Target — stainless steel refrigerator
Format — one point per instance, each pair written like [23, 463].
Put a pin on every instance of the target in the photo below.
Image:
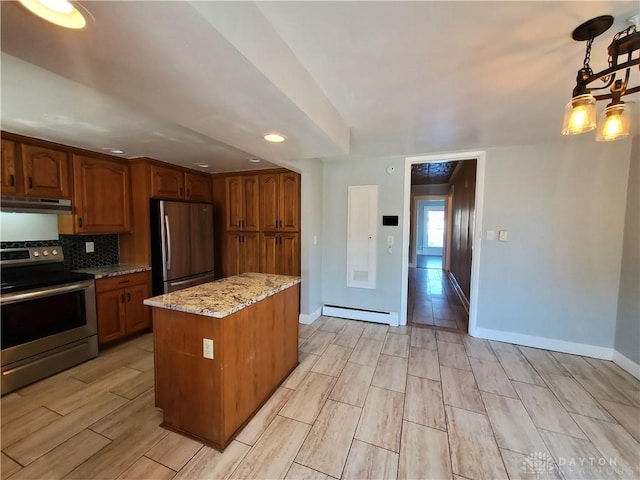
[181, 245]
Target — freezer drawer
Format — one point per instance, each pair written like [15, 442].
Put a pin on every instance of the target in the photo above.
[173, 285]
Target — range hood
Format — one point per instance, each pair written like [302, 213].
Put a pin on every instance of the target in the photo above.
[35, 205]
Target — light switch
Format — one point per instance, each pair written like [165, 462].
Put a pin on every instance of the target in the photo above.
[491, 235]
[503, 235]
[89, 247]
[207, 348]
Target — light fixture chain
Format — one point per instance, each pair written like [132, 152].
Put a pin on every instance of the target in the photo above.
[587, 55]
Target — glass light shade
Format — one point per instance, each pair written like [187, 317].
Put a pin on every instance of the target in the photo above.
[614, 123]
[579, 115]
[60, 12]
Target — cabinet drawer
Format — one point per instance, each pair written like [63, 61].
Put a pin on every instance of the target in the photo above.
[122, 281]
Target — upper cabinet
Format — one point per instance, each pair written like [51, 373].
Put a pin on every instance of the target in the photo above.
[174, 184]
[243, 203]
[101, 197]
[34, 171]
[280, 202]
[8, 179]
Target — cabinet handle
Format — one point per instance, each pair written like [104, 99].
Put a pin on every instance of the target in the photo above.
[124, 281]
[244, 224]
[12, 180]
[239, 223]
[188, 193]
[128, 297]
[122, 298]
[181, 190]
[80, 222]
[30, 182]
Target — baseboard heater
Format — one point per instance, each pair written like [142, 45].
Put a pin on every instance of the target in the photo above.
[352, 313]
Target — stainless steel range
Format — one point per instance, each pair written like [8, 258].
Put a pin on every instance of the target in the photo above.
[48, 315]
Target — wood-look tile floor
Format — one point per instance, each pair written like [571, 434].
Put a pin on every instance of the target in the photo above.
[366, 401]
[432, 300]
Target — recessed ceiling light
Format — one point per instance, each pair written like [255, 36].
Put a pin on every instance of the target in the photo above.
[114, 151]
[254, 160]
[60, 12]
[202, 165]
[274, 137]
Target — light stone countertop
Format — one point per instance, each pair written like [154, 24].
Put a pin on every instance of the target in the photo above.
[114, 270]
[226, 296]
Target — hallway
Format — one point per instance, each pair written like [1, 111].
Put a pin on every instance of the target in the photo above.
[433, 301]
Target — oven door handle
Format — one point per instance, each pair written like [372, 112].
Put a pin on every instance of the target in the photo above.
[19, 297]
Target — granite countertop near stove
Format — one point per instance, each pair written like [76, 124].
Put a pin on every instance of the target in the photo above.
[226, 296]
[114, 270]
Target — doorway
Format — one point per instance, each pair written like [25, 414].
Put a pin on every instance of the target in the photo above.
[430, 233]
[444, 293]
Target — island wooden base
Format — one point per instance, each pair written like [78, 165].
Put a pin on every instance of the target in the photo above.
[255, 349]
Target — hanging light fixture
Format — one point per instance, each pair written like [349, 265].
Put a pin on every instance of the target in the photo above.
[580, 112]
[60, 12]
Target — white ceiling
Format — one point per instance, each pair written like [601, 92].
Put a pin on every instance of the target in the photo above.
[202, 82]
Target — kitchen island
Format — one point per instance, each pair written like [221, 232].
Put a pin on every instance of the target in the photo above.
[210, 390]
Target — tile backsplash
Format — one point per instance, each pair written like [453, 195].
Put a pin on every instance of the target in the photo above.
[105, 250]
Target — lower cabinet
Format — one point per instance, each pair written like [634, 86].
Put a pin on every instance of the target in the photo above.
[119, 305]
[243, 253]
[280, 253]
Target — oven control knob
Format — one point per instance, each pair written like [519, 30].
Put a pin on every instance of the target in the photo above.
[54, 252]
[36, 254]
[45, 253]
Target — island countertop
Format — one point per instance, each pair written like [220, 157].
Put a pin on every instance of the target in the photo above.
[226, 296]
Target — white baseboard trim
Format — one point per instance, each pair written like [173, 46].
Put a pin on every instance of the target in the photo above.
[626, 364]
[583, 349]
[388, 318]
[309, 318]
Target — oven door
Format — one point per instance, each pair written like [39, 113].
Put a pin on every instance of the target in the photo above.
[37, 321]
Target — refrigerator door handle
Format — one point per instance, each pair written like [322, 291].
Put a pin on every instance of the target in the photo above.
[168, 237]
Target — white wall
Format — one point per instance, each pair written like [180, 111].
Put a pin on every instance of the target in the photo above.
[338, 176]
[627, 341]
[28, 226]
[311, 253]
[558, 275]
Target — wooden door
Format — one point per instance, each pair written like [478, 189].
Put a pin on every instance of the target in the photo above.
[269, 248]
[232, 255]
[8, 180]
[111, 313]
[269, 197]
[250, 252]
[167, 183]
[101, 195]
[289, 254]
[45, 172]
[251, 202]
[289, 202]
[137, 314]
[235, 203]
[198, 187]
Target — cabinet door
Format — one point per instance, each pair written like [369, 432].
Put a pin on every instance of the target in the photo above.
[45, 172]
[250, 252]
[251, 202]
[289, 202]
[8, 180]
[232, 254]
[235, 203]
[289, 254]
[137, 314]
[167, 183]
[269, 253]
[111, 315]
[198, 187]
[269, 195]
[101, 195]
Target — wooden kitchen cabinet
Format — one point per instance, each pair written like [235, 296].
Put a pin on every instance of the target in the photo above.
[174, 184]
[280, 202]
[120, 309]
[280, 253]
[242, 253]
[243, 203]
[101, 197]
[35, 171]
[8, 179]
